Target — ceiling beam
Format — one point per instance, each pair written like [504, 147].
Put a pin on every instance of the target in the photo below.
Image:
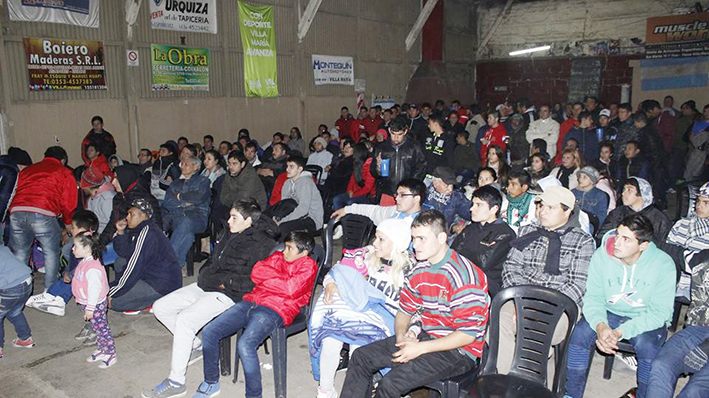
[492, 30]
[426, 11]
[307, 18]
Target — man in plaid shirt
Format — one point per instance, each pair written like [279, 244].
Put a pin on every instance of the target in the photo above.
[555, 254]
[449, 295]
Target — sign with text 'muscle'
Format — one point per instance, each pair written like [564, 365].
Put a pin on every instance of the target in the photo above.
[184, 15]
[329, 69]
[56, 64]
[676, 36]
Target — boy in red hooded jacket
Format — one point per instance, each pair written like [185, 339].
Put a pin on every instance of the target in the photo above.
[284, 281]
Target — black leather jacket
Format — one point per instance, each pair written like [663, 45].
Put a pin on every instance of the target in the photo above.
[406, 160]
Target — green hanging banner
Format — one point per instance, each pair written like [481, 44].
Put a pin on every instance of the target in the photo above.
[258, 39]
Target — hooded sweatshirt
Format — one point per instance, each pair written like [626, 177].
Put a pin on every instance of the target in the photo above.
[306, 194]
[644, 291]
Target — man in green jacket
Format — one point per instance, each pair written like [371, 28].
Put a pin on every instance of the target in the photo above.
[629, 296]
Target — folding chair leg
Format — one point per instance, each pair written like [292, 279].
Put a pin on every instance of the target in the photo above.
[225, 356]
[265, 347]
[675, 316]
[189, 261]
[608, 366]
[280, 361]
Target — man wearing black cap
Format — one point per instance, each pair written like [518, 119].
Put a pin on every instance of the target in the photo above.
[444, 198]
[152, 270]
[165, 170]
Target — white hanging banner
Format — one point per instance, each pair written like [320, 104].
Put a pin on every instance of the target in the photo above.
[73, 12]
[188, 16]
[328, 69]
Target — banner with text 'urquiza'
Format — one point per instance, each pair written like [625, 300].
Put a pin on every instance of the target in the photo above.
[258, 39]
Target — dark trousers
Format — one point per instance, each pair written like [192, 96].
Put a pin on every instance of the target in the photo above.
[139, 297]
[368, 360]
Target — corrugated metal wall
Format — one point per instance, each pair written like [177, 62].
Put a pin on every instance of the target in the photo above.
[371, 31]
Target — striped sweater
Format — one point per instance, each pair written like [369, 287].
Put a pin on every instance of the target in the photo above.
[449, 296]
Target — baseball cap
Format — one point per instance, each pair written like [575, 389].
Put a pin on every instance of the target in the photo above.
[555, 195]
[446, 174]
[606, 113]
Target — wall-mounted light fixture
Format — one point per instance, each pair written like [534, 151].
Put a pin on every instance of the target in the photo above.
[530, 50]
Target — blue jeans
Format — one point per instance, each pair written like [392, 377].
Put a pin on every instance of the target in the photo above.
[183, 227]
[61, 289]
[647, 345]
[669, 365]
[258, 323]
[24, 228]
[343, 199]
[12, 302]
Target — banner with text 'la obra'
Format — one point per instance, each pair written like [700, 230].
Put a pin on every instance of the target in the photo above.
[258, 39]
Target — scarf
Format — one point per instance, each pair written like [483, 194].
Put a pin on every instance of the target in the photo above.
[551, 262]
[521, 204]
[563, 175]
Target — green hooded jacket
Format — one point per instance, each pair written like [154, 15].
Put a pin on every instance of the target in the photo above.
[644, 291]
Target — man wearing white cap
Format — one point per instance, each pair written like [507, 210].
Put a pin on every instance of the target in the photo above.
[320, 157]
[536, 259]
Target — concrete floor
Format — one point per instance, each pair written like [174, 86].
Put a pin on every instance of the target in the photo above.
[56, 366]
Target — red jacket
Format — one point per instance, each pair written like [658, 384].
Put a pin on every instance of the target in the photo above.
[563, 129]
[101, 163]
[281, 286]
[371, 125]
[368, 187]
[277, 188]
[497, 136]
[46, 188]
[344, 127]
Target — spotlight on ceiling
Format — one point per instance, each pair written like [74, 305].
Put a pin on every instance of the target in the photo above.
[530, 50]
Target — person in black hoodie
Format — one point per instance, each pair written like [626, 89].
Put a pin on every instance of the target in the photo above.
[165, 170]
[438, 145]
[637, 198]
[10, 167]
[486, 241]
[222, 282]
[129, 186]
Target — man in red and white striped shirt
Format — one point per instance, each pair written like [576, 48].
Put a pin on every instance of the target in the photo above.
[447, 295]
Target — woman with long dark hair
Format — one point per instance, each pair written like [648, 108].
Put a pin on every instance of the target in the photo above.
[361, 184]
[296, 140]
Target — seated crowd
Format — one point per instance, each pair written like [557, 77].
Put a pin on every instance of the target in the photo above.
[464, 204]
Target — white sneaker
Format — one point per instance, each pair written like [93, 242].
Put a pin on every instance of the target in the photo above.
[327, 393]
[630, 360]
[337, 233]
[54, 307]
[37, 298]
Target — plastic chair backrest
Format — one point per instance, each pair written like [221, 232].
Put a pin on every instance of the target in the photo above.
[539, 310]
[356, 231]
[315, 170]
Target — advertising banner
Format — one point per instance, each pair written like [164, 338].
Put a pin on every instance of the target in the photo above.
[258, 39]
[188, 16]
[55, 64]
[676, 36]
[72, 12]
[179, 68]
[333, 70]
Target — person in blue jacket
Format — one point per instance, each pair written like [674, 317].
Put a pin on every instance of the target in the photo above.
[152, 270]
[186, 207]
[443, 197]
[585, 135]
[589, 198]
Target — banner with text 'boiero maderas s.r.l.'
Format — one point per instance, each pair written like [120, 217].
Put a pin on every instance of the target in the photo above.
[57, 64]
